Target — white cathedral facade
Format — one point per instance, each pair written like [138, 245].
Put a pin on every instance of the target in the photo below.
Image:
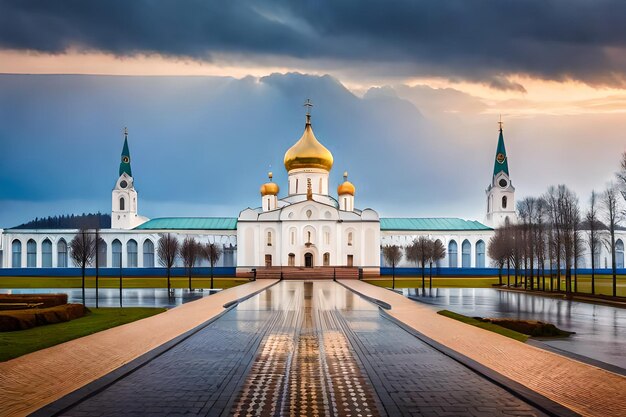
[308, 225]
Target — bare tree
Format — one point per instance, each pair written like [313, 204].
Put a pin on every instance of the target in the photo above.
[83, 251]
[212, 252]
[540, 238]
[499, 249]
[611, 216]
[437, 253]
[167, 250]
[564, 220]
[593, 240]
[189, 252]
[419, 252]
[392, 255]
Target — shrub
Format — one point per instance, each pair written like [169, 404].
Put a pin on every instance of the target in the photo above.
[26, 319]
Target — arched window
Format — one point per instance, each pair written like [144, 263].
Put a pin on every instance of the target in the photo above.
[297, 186]
[327, 259]
[619, 253]
[438, 262]
[466, 258]
[504, 201]
[62, 254]
[308, 236]
[291, 260]
[122, 204]
[269, 238]
[597, 257]
[327, 237]
[116, 251]
[31, 254]
[480, 254]
[46, 254]
[452, 254]
[148, 254]
[16, 254]
[102, 253]
[293, 237]
[131, 252]
[349, 238]
[320, 186]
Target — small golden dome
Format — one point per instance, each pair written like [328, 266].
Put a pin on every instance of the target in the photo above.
[346, 187]
[308, 152]
[269, 188]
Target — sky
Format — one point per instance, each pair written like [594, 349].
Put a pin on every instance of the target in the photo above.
[407, 96]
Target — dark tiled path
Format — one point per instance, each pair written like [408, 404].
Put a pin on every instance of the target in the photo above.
[311, 349]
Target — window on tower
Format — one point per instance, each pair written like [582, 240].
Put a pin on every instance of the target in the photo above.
[122, 204]
[504, 201]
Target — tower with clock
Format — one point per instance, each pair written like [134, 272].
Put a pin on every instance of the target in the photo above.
[124, 196]
[500, 193]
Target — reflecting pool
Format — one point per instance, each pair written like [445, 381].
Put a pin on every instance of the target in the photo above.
[600, 330]
[131, 297]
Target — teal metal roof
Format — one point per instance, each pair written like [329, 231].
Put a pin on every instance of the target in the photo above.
[430, 224]
[190, 223]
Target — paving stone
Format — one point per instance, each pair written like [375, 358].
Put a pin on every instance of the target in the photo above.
[303, 354]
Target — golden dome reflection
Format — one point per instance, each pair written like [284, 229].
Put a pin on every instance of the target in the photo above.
[308, 152]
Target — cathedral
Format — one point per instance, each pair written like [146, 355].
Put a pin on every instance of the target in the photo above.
[303, 225]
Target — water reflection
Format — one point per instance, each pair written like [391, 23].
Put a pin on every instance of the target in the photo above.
[291, 296]
[131, 297]
[600, 330]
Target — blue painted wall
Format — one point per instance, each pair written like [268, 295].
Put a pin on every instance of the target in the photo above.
[115, 272]
[479, 272]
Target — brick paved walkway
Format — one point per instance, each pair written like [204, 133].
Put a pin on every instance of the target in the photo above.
[31, 381]
[583, 388]
[313, 349]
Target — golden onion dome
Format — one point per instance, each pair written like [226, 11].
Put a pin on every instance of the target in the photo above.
[269, 188]
[308, 152]
[346, 187]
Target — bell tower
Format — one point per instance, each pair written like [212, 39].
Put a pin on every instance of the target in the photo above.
[500, 193]
[124, 196]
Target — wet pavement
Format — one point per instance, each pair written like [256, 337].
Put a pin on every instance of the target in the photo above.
[600, 330]
[303, 348]
[131, 297]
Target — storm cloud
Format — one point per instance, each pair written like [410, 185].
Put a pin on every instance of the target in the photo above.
[484, 41]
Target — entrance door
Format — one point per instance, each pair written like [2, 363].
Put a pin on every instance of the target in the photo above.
[350, 261]
[308, 260]
[268, 261]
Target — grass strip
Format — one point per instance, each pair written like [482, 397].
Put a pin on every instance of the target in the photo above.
[21, 342]
[483, 325]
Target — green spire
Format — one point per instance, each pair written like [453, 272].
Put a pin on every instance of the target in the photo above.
[125, 162]
[501, 163]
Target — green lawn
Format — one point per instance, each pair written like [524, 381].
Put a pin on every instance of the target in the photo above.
[415, 282]
[138, 282]
[603, 284]
[14, 344]
[487, 326]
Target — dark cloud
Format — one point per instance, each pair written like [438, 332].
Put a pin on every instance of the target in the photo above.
[483, 40]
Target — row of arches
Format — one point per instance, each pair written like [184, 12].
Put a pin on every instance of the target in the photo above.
[62, 258]
[466, 254]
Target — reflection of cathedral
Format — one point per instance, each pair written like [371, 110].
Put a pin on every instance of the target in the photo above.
[309, 226]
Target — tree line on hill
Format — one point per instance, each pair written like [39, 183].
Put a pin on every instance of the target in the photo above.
[69, 221]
